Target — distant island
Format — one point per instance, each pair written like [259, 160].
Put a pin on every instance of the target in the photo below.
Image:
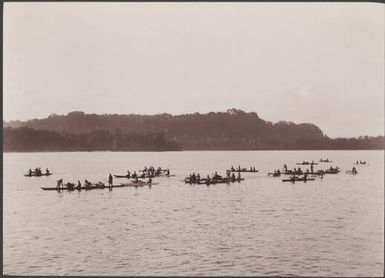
[230, 130]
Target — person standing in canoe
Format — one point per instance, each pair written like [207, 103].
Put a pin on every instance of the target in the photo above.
[59, 184]
[110, 179]
[47, 171]
[311, 168]
[30, 172]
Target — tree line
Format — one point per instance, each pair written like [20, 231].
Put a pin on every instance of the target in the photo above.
[25, 139]
[230, 130]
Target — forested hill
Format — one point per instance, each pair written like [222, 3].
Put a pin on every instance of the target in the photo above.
[231, 130]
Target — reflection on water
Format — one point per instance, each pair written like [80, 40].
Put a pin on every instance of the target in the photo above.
[329, 227]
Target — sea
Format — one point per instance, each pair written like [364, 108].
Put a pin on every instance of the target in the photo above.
[261, 226]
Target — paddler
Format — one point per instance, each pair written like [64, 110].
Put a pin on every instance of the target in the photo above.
[79, 185]
[87, 184]
[30, 172]
[354, 170]
[59, 183]
[47, 171]
[110, 180]
[128, 174]
[239, 176]
[311, 168]
[198, 178]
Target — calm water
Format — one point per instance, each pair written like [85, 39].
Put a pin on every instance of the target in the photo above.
[262, 226]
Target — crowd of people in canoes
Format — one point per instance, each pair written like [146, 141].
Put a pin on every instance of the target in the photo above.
[361, 162]
[88, 185]
[196, 178]
[325, 160]
[239, 169]
[299, 172]
[38, 172]
[149, 172]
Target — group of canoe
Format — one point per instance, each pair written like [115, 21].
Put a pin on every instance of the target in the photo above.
[147, 173]
[296, 173]
[196, 179]
[215, 178]
[92, 186]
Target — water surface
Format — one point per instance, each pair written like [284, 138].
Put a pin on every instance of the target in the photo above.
[262, 226]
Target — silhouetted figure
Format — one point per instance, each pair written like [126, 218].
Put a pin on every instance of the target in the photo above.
[149, 180]
[59, 183]
[110, 180]
[311, 168]
[79, 185]
[30, 172]
[87, 184]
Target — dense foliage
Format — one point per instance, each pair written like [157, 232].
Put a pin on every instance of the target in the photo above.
[231, 130]
[26, 139]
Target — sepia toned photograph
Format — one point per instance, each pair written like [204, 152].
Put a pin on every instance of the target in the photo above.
[193, 139]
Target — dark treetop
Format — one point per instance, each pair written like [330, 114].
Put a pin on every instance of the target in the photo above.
[231, 130]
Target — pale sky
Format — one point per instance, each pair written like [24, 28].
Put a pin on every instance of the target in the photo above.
[321, 63]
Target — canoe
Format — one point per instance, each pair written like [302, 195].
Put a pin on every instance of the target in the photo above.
[325, 161]
[332, 171]
[297, 179]
[274, 174]
[122, 176]
[141, 177]
[307, 163]
[106, 187]
[244, 171]
[211, 181]
[34, 175]
[351, 172]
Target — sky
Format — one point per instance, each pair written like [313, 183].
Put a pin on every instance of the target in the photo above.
[320, 63]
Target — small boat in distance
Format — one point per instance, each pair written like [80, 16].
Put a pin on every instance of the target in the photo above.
[37, 175]
[307, 163]
[325, 160]
[243, 170]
